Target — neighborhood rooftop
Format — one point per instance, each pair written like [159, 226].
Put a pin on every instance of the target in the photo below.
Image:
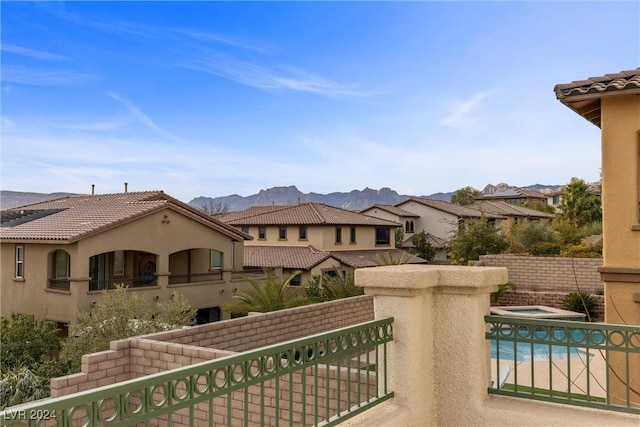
[584, 96]
[308, 214]
[74, 217]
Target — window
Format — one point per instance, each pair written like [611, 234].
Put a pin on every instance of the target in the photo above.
[262, 233]
[383, 236]
[282, 234]
[302, 233]
[295, 281]
[245, 230]
[19, 261]
[338, 235]
[352, 235]
[61, 264]
[118, 263]
[215, 259]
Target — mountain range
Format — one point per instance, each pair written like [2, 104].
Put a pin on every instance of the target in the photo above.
[286, 195]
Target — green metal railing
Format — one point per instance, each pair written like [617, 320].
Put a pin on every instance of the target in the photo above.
[321, 380]
[585, 364]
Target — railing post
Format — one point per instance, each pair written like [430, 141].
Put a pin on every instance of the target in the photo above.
[438, 361]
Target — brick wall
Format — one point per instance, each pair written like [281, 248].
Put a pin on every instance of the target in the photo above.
[131, 358]
[556, 274]
[251, 332]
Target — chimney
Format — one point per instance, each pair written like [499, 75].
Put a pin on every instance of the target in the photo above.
[126, 184]
[93, 189]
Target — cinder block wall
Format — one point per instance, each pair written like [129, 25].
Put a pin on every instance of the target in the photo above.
[251, 332]
[135, 357]
[555, 274]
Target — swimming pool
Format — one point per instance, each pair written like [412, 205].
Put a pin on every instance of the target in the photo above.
[538, 312]
[549, 347]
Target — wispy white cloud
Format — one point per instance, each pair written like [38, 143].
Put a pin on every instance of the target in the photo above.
[43, 77]
[270, 78]
[32, 53]
[142, 118]
[465, 111]
[6, 123]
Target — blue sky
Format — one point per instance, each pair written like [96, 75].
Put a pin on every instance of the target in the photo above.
[217, 98]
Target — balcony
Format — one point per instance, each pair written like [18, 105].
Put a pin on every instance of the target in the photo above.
[426, 360]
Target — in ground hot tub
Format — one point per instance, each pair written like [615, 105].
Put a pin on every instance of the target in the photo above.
[537, 312]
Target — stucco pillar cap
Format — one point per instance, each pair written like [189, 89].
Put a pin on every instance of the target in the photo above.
[413, 279]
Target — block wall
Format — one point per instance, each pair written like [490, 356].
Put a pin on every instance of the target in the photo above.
[554, 274]
[251, 332]
[136, 357]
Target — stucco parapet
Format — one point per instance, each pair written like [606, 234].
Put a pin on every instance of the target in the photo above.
[411, 280]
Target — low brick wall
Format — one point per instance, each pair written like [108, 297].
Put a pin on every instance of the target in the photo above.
[555, 274]
[149, 354]
[550, 299]
[251, 332]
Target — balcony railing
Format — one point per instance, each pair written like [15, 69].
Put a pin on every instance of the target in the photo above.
[195, 277]
[322, 380]
[577, 363]
[60, 284]
[130, 282]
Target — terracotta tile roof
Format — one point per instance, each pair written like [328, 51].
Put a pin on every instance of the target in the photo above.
[252, 211]
[291, 257]
[374, 257]
[583, 96]
[499, 207]
[310, 214]
[457, 210]
[79, 216]
[511, 193]
[435, 242]
[392, 210]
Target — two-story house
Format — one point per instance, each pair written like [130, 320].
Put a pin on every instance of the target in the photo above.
[58, 256]
[516, 196]
[612, 103]
[409, 221]
[314, 238]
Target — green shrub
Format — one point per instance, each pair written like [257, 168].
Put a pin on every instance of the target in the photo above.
[545, 249]
[581, 302]
[582, 251]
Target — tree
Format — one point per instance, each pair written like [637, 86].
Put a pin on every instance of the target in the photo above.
[474, 238]
[579, 206]
[27, 341]
[269, 294]
[331, 287]
[120, 314]
[422, 246]
[465, 196]
[214, 208]
[399, 237]
[22, 385]
[526, 235]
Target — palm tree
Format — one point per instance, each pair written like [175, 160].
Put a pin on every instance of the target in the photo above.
[268, 294]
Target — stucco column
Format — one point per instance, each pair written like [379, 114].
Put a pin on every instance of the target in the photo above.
[438, 359]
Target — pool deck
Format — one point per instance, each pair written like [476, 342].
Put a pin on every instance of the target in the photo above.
[576, 366]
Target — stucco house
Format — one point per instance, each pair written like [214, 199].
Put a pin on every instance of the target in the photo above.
[440, 218]
[409, 221]
[516, 196]
[315, 238]
[57, 256]
[612, 103]
[514, 214]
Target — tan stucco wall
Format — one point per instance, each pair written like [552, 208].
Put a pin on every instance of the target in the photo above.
[154, 233]
[621, 180]
[431, 220]
[320, 237]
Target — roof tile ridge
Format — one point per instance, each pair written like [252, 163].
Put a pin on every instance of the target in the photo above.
[323, 220]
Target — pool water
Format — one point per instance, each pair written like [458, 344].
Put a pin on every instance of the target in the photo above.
[524, 351]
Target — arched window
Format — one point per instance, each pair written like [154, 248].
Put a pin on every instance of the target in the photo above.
[61, 263]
